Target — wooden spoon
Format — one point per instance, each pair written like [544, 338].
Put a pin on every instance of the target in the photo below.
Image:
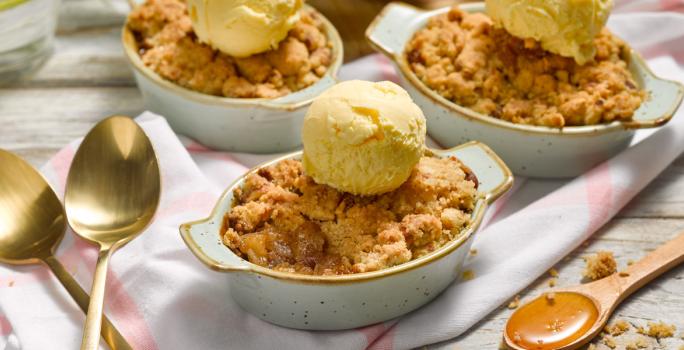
[112, 193]
[32, 223]
[568, 318]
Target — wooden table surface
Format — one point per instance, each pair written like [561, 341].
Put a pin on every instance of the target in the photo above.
[88, 79]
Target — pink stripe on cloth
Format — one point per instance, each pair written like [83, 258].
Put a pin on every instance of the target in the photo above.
[379, 336]
[386, 68]
[599, 186]
[5, 325]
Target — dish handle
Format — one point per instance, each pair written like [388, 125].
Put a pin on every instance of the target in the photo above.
[493, 176]
[390, 28]
[664, 98]
[203, 240]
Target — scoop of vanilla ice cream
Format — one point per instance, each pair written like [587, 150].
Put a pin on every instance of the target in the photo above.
[565, 27]
[363, 137]
[241, 28]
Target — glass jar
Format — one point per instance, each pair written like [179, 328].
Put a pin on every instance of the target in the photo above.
[27, 30]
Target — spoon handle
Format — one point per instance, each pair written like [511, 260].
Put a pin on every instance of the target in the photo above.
[93, 323]
[652, 265]
[110, 334]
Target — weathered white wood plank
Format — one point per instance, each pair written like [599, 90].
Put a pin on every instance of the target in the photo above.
[629, 239]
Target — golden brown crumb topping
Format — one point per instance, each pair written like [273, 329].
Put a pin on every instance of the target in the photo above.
[283, 220]
[168, 45]
[464, 58]
[600, 265]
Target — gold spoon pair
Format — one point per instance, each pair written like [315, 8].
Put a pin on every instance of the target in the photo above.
[113, 190]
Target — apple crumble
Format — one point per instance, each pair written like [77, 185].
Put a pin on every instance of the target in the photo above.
[168, 45]
[467, 60]
[283, 220]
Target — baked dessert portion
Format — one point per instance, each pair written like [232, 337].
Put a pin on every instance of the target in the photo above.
[168, 45]
[467, 60]
[284, 220]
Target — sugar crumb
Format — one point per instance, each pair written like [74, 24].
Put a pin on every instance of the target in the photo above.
[514, 303]
[600, 265]
[550, 297]
[617, 328]
[658, 330]
[11, 283]
[623, 274]
[468, 275]
[473, 252]
[553, 272]
[609, 341]
[638, 343]
[552, 282]
[630, 262]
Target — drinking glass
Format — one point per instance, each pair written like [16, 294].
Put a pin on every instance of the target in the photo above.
[27, 30]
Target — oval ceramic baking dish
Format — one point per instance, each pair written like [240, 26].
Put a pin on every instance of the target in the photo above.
[536, 151]
[353, 300]
[256, 125]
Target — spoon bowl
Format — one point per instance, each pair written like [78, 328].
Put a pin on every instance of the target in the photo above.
[32, 219]
[113, 191]
[568, 318]
[32, 224]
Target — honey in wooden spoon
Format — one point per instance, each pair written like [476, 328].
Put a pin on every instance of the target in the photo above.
[570, 317]
[552, 320]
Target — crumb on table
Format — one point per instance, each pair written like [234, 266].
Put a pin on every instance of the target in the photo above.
[552, 282]
[600, 265]
[617, 328]
[514, 303]
[658, 330]
[468, 275]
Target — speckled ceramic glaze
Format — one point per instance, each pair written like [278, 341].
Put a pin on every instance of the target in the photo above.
[255, 125]
[529, 150]
[346, 301]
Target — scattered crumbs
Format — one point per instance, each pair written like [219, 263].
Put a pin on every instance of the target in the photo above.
[550, 297]
[609, 341]
[658, 330]
[473, 252]
[514, 303]
[591, 347]
[553, 272]
[630, 262]
[11, 283]
[617, 328]
[600, 265]
[638, 343]
[552, 282]
[468, 275]
[623, 274]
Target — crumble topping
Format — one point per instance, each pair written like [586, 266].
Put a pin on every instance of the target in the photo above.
[464, 58]
[283, 220]
[168, 45]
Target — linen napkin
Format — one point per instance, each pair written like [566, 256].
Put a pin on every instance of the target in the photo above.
[161, 297]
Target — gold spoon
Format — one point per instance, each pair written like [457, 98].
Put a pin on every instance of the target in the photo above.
[112, 192]
[32, 223]
[570, 317]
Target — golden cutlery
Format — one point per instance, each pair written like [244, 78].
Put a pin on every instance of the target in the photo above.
[32, 224]
[112, 193]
